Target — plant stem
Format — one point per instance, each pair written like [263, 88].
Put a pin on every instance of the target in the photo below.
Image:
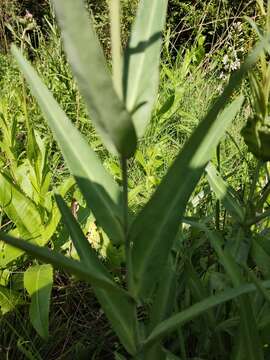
[125, 217]
[115, 19]
[254, 181]
[218, 202]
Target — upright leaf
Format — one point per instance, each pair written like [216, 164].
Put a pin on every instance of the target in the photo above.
[224, 193]
[155, 228]
[102, 194]
[38, 283]
[111, 297]
[141, 64]
[94, 80]
[119, 309]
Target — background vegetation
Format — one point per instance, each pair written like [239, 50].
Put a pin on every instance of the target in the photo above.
[204, 42]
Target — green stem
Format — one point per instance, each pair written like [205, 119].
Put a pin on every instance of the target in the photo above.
[125, 218]
[115, 19]
[254, 181]
[218, 202]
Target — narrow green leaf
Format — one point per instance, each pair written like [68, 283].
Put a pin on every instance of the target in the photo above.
[119, 309]
[197, 309]
[141, 65]
[94, 80]
[102, 194]
[165, 297]
[117, 304]
[248, 328]
[155, 228]
[87, 254]
[224, 193]
[60, 262]
[38, 282]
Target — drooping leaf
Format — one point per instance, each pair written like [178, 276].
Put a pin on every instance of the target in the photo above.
[119, 309]
[153, 231]
[38, 282]
[224, 193]
[102, 194]
[94, 80]
[141, 64]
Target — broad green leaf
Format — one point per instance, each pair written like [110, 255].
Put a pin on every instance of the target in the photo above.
[102, 194]
[153, 231]
[141, 63]
[197, 309]
[38, 282]
[119, 309]
[9, 299]
[21, 210]
[224, 193]
[94, 80]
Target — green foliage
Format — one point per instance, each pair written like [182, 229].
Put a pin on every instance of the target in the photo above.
[152, 238]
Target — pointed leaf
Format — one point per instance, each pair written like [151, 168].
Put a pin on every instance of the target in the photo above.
[224, 193]
[142, 59]
[38, 282]
[155, 228]
[95, 83]
[61, 262]
[100, 191]
[119, 309]
[197, 309]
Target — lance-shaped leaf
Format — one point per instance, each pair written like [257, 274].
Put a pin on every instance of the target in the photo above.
[62, 262]
[119, 309]
[141, 63]
[224, 193]
[38, 282]
[116, 302]
[155, 228]
[102, 194]
[197, 309]
[94, 80]
[153, 231]
[248, 332]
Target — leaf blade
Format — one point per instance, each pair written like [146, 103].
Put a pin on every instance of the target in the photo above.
[38, 282]
[102, 194]
[141, 59]
[90, 69]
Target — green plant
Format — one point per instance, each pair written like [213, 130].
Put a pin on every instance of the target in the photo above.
[141, 306]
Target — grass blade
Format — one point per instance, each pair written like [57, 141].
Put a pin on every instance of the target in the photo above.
[197, 309]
